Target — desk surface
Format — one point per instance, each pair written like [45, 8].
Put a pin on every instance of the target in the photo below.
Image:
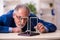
[54, 35]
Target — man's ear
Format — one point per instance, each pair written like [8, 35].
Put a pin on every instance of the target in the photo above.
[14, 15]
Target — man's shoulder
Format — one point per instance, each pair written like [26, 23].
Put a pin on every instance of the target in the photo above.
[8, 14]
[32, 15]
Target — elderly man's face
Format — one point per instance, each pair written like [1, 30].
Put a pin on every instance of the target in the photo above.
[20, 17]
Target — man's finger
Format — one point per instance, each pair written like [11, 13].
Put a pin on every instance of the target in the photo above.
[39, 25]
[42, 27]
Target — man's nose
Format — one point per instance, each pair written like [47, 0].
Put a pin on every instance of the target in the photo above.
[22, 21]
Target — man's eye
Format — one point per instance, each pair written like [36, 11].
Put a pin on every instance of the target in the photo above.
[25, 19]
[18, 17]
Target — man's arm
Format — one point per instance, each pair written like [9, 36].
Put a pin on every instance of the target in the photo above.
[3, 29]
[46, 26]
[7, 29]
[49, 27]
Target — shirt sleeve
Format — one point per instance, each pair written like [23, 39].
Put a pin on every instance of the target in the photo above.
[10, 29]
[46, 29]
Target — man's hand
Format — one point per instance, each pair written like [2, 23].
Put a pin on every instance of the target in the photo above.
[16, 30]
[41, 28]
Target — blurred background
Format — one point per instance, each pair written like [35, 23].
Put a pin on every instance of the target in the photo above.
[48, 10]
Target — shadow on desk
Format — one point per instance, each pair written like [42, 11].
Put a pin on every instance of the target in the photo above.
[42, 36]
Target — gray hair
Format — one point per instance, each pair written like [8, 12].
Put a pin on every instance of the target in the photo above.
[22, 6]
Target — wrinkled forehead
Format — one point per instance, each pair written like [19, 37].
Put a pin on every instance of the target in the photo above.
[22, 12]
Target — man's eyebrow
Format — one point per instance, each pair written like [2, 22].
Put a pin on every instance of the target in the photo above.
[24, 17]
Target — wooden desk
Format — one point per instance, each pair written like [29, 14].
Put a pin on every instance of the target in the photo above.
[42, 36]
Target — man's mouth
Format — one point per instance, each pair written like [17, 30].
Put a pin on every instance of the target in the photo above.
[22, 26]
